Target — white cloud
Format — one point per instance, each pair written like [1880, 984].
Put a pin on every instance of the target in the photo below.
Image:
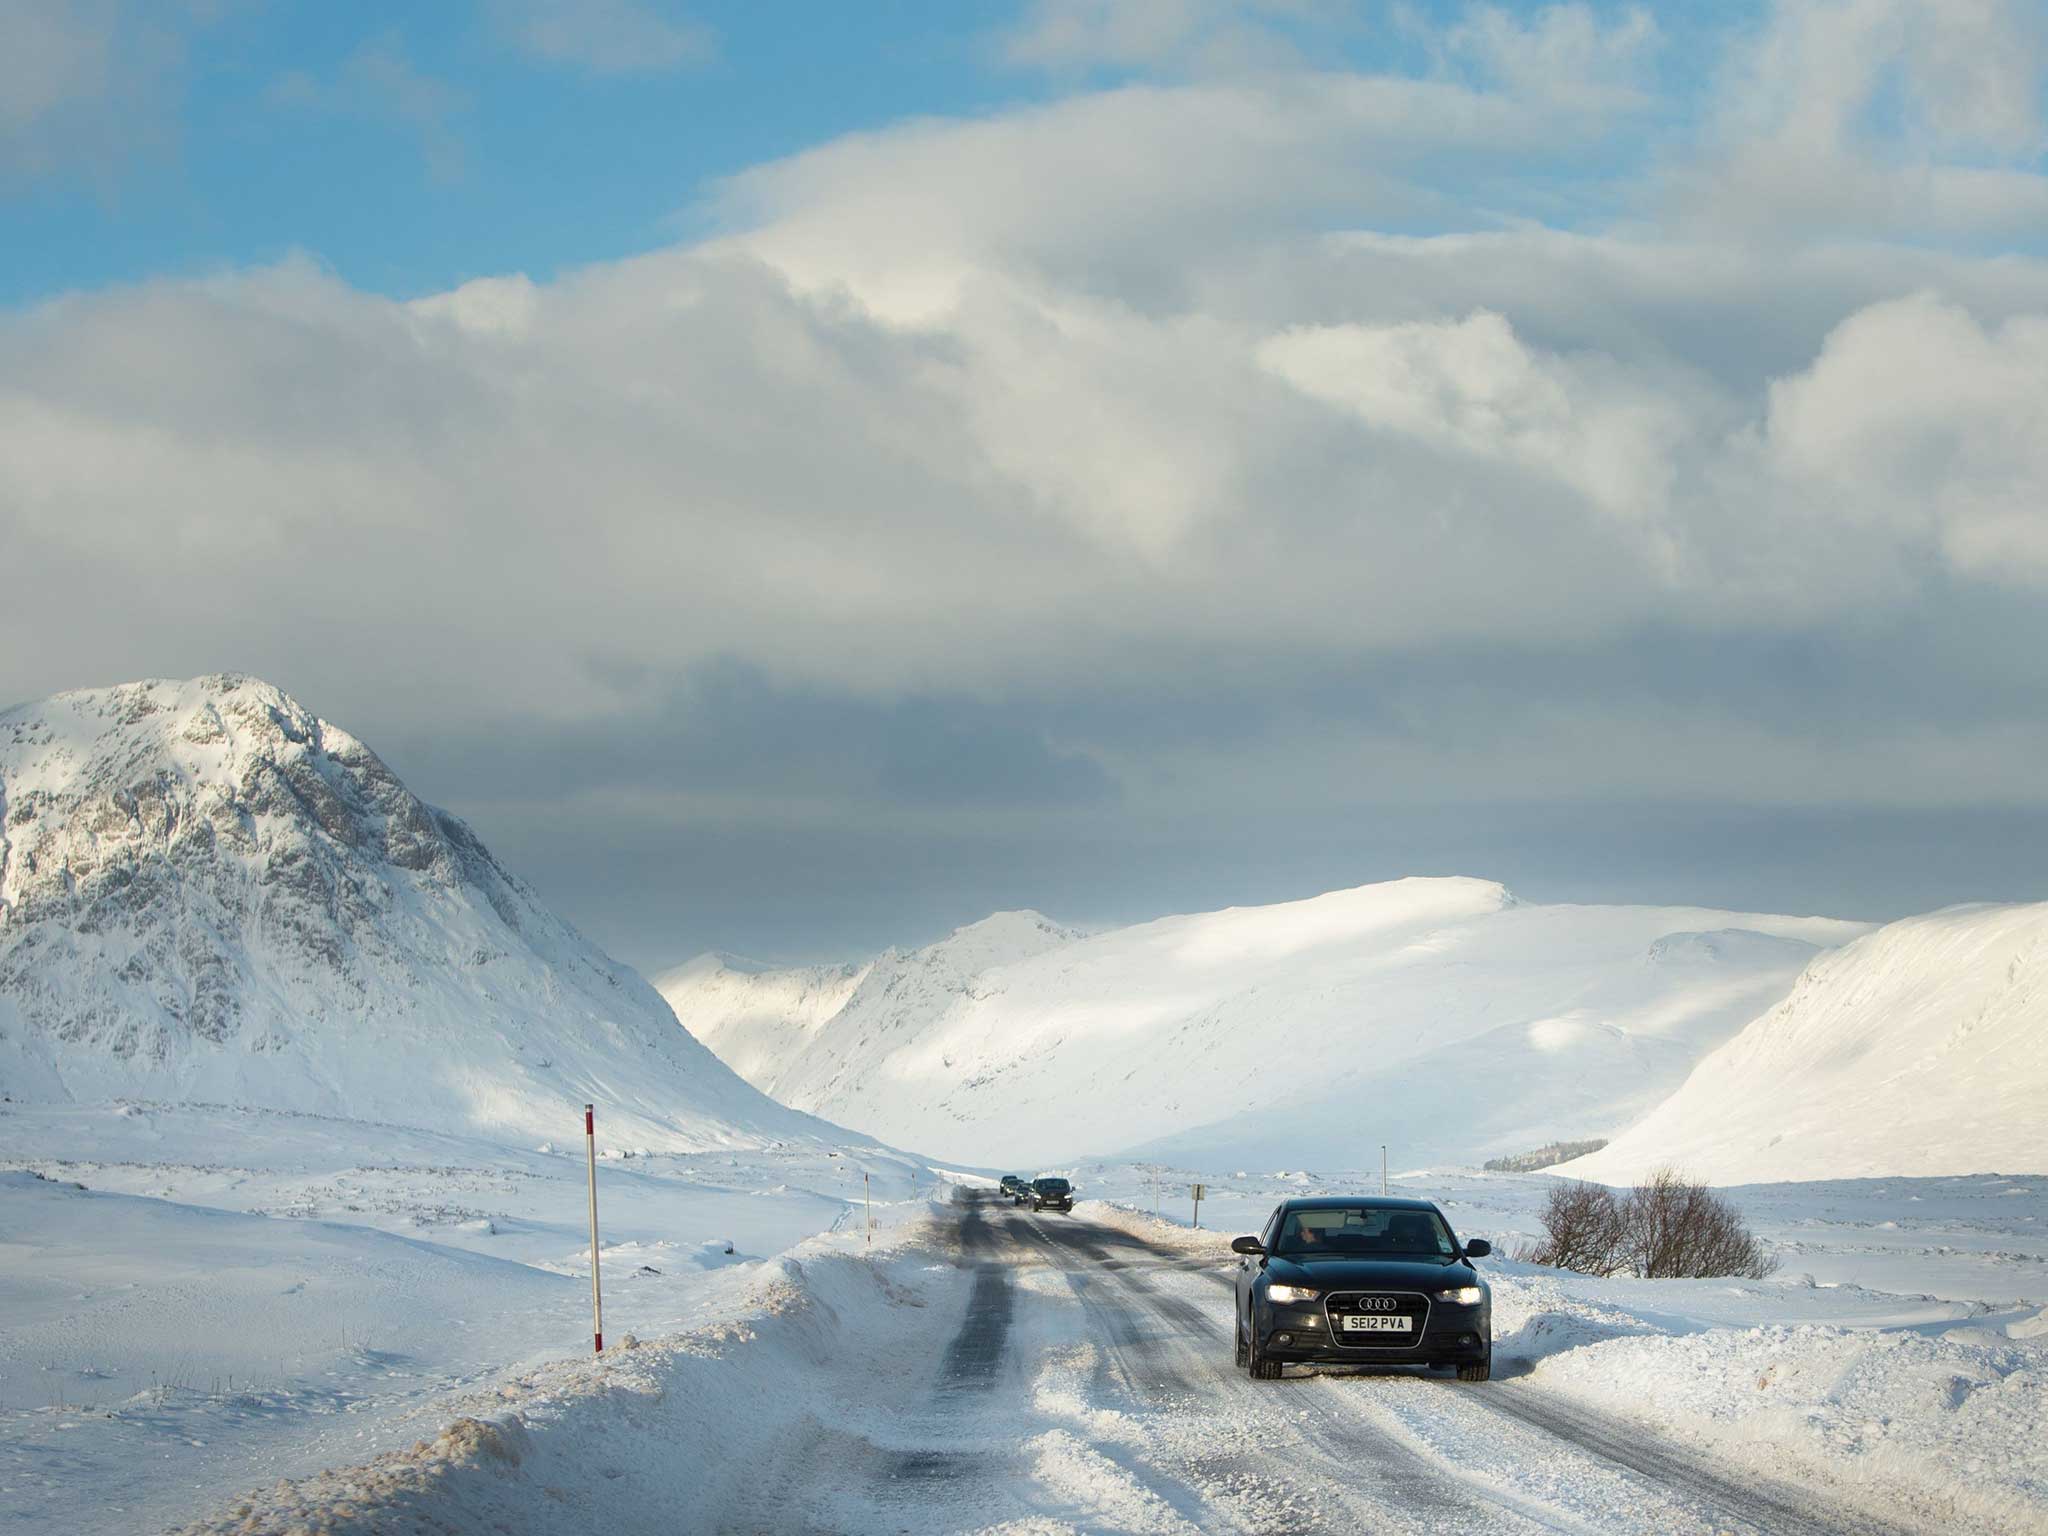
[1471, 386]
[604, 37]
[1080, 401]
[1888, 117]
[1918, 422]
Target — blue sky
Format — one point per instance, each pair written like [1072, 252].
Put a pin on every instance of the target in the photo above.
[509, 161]
[798, 478]
[412, 148]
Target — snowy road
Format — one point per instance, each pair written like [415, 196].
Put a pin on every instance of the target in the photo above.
[1124, 1348]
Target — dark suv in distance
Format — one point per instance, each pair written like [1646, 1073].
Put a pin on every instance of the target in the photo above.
[1051, 1195]
[1362, 1280]
[1014, 1186]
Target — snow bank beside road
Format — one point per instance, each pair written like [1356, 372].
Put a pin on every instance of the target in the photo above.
[240, 1295]
[650, 1437]
[1948, 1420]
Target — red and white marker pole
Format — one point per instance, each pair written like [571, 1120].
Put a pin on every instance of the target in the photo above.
[596, 1293]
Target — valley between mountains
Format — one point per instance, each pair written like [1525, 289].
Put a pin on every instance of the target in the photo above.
[293, 1190]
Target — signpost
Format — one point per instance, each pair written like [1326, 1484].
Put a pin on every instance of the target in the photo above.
[1198, 1190]
[596, 1292]
[867, 1195]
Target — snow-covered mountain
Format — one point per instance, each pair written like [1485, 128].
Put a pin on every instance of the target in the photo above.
[1440, 1016]
[1921, 1049]
[207, 894]
[762, 1021]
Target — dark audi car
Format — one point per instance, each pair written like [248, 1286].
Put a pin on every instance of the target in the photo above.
[1051, 1195]
[1358, 1280]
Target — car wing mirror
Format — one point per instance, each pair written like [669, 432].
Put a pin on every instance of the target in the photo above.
[1478, 1248]
[1246, 1245]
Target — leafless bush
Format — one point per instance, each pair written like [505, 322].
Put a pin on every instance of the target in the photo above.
[1581, 1230]
[1679, 1229]
[1668, 1227]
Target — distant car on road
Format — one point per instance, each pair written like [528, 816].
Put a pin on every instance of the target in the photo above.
[1051, 1195]
[1014, 1186]
[1354, 1280]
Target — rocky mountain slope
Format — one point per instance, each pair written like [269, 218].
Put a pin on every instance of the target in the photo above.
[1440, 1016]
[208, 894]
[1922, 1049]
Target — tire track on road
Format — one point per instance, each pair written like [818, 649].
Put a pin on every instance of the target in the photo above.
[1383, 1482]
[1752, 1503]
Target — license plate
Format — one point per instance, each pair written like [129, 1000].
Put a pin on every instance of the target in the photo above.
[1370, 1324]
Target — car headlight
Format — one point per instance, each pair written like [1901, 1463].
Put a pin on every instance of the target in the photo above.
[1462, 1296]
[1289, 1294]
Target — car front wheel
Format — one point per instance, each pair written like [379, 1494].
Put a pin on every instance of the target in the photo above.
[1262, 1369]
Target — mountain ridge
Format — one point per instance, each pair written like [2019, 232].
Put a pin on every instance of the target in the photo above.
[1920, 1049]
[1356, 1011]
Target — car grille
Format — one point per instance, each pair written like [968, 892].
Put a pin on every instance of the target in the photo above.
[1411, 1305]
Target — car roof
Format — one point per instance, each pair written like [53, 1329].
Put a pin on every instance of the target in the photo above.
[1370, 1202]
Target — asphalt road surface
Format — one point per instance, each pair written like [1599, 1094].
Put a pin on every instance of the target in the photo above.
[1080, 1378]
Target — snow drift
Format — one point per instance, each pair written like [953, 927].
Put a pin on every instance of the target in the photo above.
[1440, 1016]
[208, 894]
[1921, 1049]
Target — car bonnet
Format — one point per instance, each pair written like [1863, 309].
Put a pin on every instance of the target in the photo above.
[1337, 1272]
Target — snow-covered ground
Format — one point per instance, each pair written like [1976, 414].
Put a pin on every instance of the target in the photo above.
[981, 1369]
[1466, 1023]
[236, 1296]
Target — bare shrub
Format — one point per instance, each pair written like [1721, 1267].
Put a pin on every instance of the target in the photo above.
[1679, 1229]
[1582, 1230]
[1668, 1227]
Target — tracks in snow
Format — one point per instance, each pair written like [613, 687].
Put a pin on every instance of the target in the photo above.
[1087, 1384]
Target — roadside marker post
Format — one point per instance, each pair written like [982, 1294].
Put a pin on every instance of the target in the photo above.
[596, 1291]
[867, 1196]
[1198, 1190]
[1383, 1169]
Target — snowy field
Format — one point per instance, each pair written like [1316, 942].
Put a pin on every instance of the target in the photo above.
[386, 1329]
[236, 1296]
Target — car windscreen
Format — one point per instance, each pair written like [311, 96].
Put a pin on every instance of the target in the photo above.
[1364, 1232]
[1053, 1186]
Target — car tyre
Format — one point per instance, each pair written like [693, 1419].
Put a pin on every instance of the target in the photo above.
[1261, 1368]
[1480, 1371]
[1244, 1354]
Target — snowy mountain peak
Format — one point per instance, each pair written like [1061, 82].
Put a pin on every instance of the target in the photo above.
[1001, 938]
[97, 778]
[208, 892]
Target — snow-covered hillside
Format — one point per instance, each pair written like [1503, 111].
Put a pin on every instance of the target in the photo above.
[1440, 1016]
[1922, 1049]
[207, 894]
